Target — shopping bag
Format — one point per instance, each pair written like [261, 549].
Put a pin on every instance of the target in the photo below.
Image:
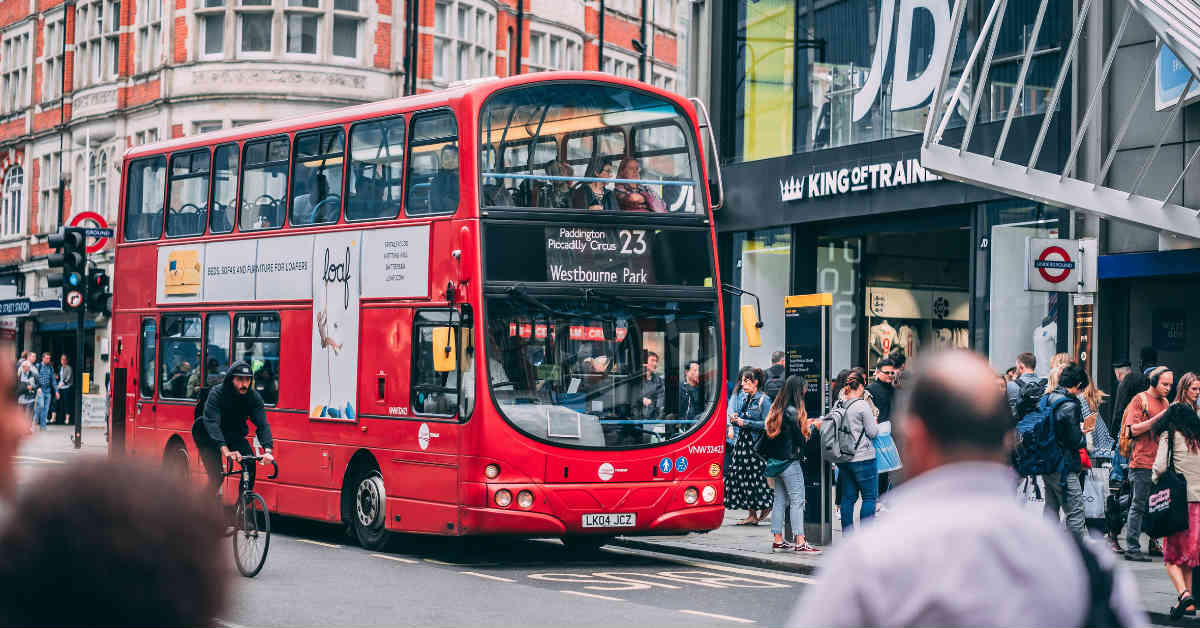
[887, 457]
[1167, 510]
[1095, 493]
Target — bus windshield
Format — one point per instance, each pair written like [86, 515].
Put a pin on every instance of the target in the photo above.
[587, 146]
[601, 372]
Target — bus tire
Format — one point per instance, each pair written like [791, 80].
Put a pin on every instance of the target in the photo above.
[368, 516]
[175, 460]
[581, 544]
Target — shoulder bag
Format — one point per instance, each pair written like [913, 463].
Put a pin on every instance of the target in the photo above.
[1167, 511]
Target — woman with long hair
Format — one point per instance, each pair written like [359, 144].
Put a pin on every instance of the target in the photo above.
[745, 485]
[787, 430]
[1180, 427]
[858, 476]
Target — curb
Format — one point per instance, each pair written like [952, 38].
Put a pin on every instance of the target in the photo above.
[716, 555]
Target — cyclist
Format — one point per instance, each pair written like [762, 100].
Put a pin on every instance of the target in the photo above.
[220, 432]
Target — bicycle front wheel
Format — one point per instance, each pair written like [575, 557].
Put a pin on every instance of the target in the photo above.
[252, 536]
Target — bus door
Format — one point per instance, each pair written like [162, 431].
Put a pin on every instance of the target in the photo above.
[142, 405]
[409, 375]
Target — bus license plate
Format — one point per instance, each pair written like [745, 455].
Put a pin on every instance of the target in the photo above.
[610, 520]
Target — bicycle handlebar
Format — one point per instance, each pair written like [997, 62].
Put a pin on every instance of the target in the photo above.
[230, 461]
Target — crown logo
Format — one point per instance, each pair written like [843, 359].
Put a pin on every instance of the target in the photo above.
[791, 189]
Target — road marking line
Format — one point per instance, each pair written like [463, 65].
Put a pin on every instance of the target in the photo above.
[36, 459]
[397, 559]
[227, 624]
[329, 545]
[740, 620]
[593, 595]
[483, 575]
[442, 562]
[719, 567]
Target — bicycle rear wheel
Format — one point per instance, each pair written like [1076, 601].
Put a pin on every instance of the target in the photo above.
[253, 534]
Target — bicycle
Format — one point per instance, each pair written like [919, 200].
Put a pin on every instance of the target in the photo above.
[251, 520]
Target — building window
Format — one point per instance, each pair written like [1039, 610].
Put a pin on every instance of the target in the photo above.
[148, 54]
[98, 182]
[464, 41]
[214, 34]
[207, 127]
[620, 65]
[307, 27]
[48, 198]
[14, 206]
[303, 22]
[52, 60]
[14, 67]
[97, 28]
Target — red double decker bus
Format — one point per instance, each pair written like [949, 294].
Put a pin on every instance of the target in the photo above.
[487, 310]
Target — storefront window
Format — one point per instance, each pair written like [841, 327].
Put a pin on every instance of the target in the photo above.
[815, 75]
[1019, 320]
[838, 267]
[762, 266]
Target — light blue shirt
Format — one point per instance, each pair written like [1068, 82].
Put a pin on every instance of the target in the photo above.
[957, 548]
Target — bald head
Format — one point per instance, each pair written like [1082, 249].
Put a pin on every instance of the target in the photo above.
[953, 396]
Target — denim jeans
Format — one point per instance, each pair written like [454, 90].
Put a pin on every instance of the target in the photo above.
[789, 493]
[856, 478]
[1139, 481]
[44, 397]
[1063, 490]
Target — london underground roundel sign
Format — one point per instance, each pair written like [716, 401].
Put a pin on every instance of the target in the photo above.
[96, 219]
[1054, 264]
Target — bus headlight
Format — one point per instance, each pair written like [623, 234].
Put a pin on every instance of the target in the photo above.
[524, 499]
[503, 498]
[691, 495]
[492, 471]
[709, 493]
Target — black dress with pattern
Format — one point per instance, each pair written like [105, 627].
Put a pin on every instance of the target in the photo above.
[745, 485]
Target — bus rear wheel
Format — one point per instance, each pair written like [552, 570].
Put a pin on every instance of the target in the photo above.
[369, 514]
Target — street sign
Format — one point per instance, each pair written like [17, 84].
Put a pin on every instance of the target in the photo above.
[1053, 265]
[14, 307]
[74, 298]
[102, 232]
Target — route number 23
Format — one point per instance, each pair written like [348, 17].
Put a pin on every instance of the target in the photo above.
[633, 242]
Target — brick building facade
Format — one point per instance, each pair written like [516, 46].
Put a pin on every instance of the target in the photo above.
[81, 81]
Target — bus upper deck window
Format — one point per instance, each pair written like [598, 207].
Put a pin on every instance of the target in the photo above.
[264, 184]
[224, 189]
[433, 164]
[187, 210]
[144, 199]
[376, 170]
[317, 178]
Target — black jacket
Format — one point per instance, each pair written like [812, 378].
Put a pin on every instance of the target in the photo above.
[882, 395]
[691, 401]
[226, 413]
[1066, 427]
[789, 443]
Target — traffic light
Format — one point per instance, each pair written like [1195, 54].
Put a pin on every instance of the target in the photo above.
[99, 299]
[70, 255]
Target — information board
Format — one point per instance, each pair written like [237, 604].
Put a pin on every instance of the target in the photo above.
[599, 255]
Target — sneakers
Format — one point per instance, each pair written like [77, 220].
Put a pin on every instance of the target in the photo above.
[808, 550]
[1137, 556]
[782, 546]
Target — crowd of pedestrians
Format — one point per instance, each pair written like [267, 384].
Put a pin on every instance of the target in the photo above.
[44, 393]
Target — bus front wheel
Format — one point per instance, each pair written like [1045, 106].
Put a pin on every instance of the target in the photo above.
[370, 510]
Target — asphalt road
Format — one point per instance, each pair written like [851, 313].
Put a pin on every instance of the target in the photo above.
[314, 576]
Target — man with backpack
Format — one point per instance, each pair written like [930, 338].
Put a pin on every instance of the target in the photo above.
[776, 374]
[1027, 384]
[1138, 441]
[1064, 489]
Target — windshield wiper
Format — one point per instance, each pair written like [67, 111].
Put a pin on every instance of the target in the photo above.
[595, 293]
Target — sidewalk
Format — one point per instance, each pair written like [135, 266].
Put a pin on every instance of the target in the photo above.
[42, 451]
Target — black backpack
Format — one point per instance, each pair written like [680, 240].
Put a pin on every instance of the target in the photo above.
[201, 399]
[1027, 401]
[773, 385]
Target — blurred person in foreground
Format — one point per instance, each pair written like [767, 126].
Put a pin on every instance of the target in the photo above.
[14, 427]
[112, 542]
[1009, 567]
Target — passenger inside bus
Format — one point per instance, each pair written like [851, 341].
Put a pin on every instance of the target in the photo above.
[267, 384]
[555, 194]
[636, 197]
[314, 204]
[177, 385]
[592, 194]
[443, 191]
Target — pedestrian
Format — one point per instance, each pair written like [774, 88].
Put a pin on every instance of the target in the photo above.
[787, 431]
[1010, 375]
[1178, 434]
[1064, 489]
[14, 427]
[882, 395]
[132, 546]
[745, 485]
[65, 399]
[857, 477]
[1101, 448]
[1140, 417]
[956, 548]
[46, 393]
[1135, 383]
[776, 373]
[27, 384]
[1025, 381]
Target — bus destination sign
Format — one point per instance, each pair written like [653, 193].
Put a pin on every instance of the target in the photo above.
[599, 255]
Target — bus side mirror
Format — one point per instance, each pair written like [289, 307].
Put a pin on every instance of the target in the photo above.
[751, 325]
[445, 356]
